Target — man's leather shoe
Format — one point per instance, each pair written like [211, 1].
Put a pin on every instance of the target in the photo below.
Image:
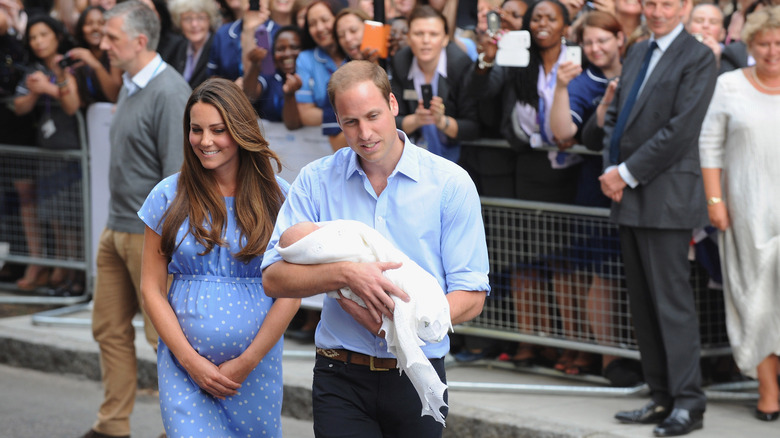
[680, 422]
[651, 413]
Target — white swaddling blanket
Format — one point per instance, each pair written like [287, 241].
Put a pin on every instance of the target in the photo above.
[425, 318]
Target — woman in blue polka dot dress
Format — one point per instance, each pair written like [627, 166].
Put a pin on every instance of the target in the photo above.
[219, 361]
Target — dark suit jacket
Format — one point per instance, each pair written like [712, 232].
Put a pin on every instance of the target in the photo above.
[452, 90]
[660, 143]
[179, 61]
[733, 56]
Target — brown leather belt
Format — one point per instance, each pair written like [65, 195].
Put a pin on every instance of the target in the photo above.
[346, 356]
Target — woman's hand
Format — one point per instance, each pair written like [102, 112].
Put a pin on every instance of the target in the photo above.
[257, 55]
[488, 44]
[609, 94]
[38, 83]
[566, 72]
[210, 378]
[292, 83]
[565, 143]
[237, 369]
[607, 6]
[369, 54]
[719, 216]
[437, 111]
[85, 56]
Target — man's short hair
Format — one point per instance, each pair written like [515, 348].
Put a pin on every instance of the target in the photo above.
[355, 72]
[139, 20]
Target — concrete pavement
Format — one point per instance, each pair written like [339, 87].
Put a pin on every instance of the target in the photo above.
[486, 399]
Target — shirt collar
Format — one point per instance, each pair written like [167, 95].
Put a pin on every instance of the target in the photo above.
[408, 164]
[441, 67]
[665, 41]
[191, 51]
[596, 75]
[234, 31]
[142, 78]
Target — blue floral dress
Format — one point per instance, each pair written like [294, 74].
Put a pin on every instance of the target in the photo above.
[220, 305]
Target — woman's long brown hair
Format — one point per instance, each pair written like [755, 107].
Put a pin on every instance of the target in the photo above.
[258, 197]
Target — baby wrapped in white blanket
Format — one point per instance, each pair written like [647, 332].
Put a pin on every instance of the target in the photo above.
[425, 318]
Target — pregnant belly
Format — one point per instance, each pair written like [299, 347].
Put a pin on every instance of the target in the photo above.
[219, 330]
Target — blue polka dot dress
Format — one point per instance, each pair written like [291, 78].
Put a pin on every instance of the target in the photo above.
[220, 304]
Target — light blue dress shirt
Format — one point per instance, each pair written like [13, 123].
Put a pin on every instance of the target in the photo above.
[430, 210]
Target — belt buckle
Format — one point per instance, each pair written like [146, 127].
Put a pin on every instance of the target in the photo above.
[372, 367]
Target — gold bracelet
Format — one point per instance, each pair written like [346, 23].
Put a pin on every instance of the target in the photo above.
[714, 200]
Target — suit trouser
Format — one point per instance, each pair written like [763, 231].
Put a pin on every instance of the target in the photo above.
[117, 300]
[664, 313]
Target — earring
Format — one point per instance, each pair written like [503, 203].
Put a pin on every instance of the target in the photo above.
[563, 40]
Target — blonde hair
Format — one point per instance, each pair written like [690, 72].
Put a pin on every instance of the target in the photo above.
[179, 7]
[764, 19]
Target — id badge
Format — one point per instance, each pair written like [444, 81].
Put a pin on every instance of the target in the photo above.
[536, 140]
[410, 95]
[48, 129]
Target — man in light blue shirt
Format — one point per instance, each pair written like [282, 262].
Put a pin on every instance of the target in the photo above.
[426, 206]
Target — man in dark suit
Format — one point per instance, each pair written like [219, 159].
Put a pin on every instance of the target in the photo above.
[654, 179]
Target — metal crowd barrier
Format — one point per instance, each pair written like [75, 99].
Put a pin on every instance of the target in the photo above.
[45, 203]
[557, 280]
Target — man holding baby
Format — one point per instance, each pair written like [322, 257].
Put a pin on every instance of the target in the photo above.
[428, 208]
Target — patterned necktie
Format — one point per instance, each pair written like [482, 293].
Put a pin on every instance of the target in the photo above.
[614, 144]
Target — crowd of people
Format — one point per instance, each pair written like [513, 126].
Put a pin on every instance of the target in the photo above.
[679, 96]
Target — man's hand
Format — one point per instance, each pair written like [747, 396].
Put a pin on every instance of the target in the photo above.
[369, 283]
[713, 45]
[361, 315]
[612, 185]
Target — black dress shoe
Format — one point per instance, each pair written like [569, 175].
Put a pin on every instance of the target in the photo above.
[767, 416]
[651, 413]
[680, 422]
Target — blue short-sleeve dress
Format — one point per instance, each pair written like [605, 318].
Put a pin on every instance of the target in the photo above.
[220, 305]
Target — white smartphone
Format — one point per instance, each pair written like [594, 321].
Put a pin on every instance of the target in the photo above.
[574, 54]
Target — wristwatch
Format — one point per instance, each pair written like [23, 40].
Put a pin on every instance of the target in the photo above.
[714, 200]
[481, 64]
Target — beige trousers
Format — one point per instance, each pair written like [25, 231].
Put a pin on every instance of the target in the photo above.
[117, 300]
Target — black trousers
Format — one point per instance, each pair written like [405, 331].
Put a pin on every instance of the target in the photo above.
[351, 401]
[664, 314]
